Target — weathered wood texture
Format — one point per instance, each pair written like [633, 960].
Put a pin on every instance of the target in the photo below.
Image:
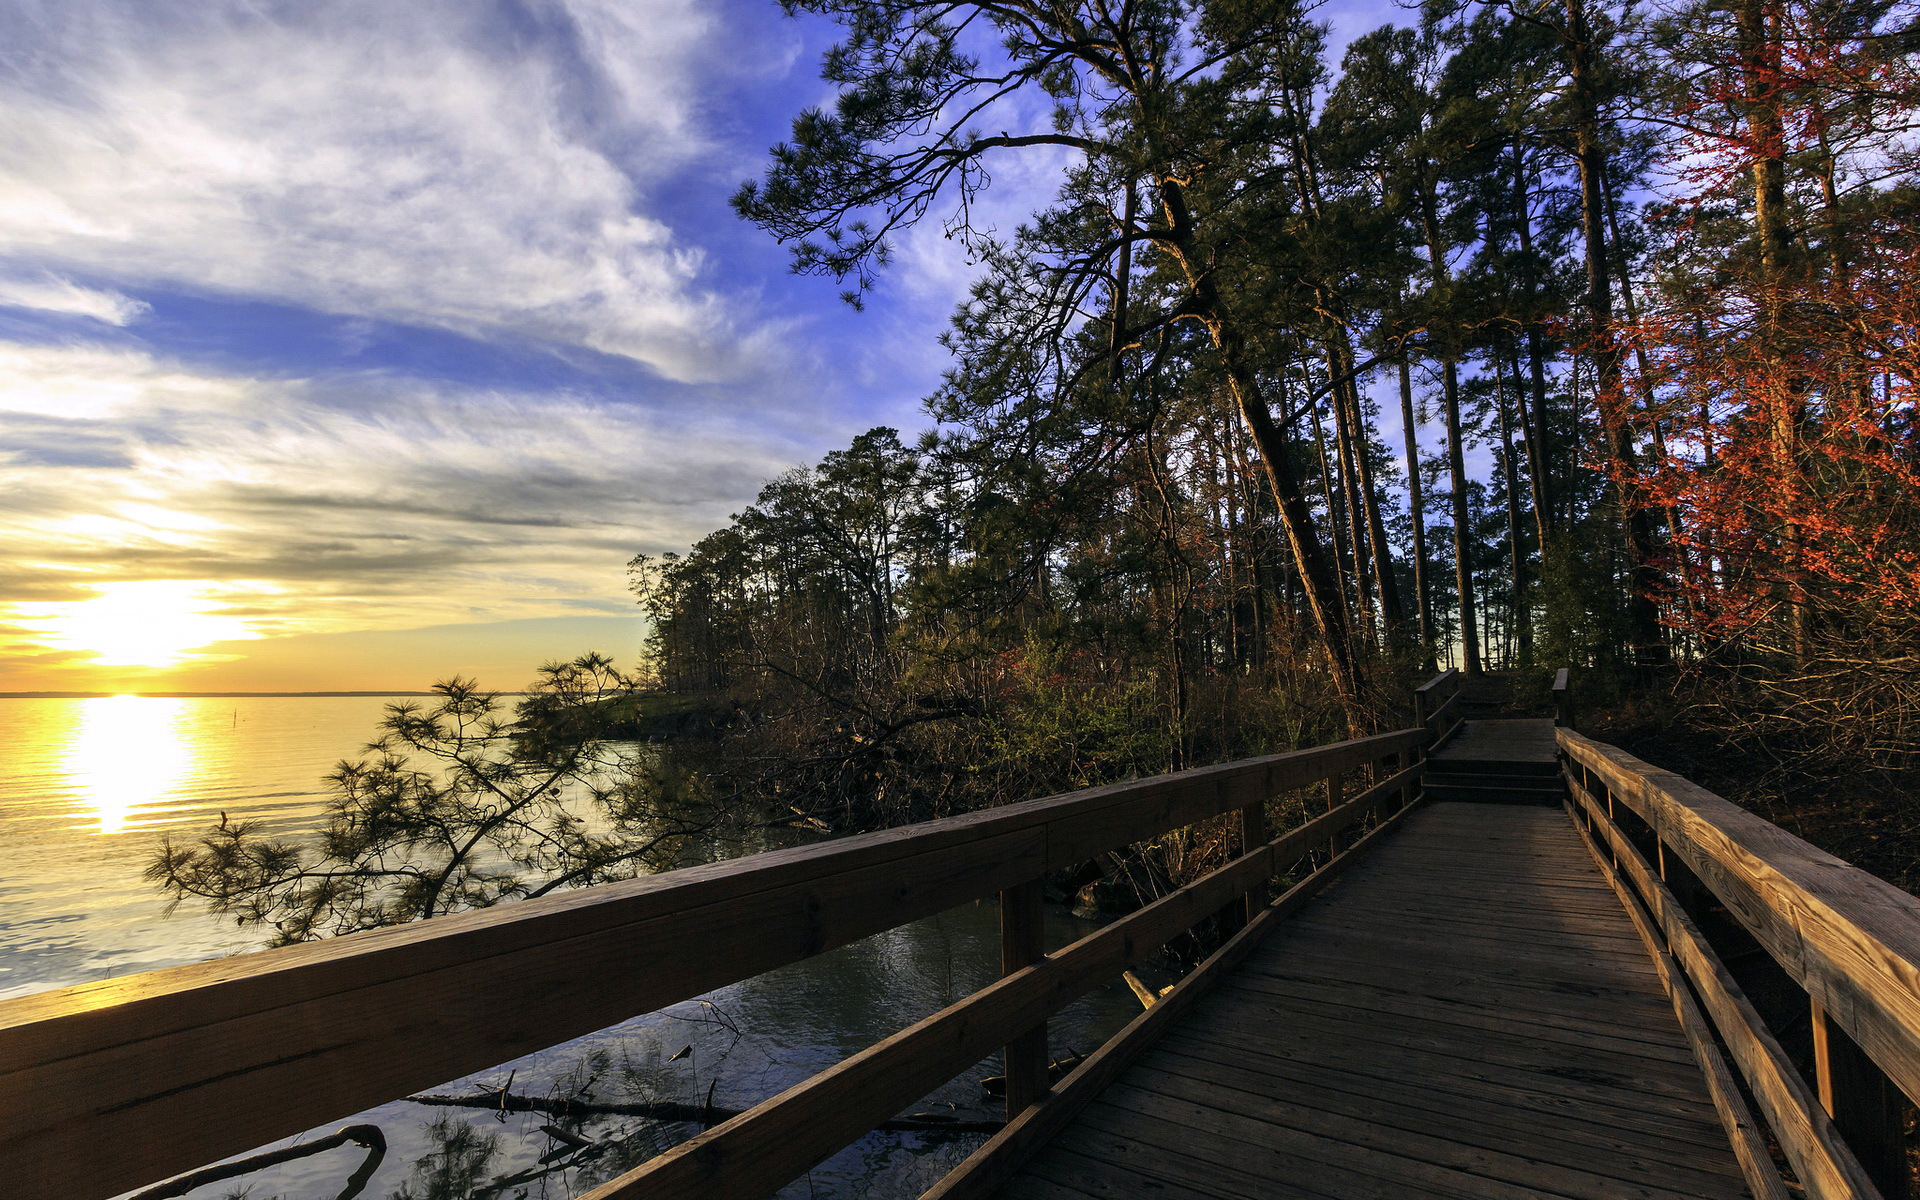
[1746, 1134]
[1851, 940]
[1007, 1151]
[1023, 942]
[1467, 1013]
[110, 1085]
[1820, 1159]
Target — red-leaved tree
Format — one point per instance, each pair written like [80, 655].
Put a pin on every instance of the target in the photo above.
[1775, 368]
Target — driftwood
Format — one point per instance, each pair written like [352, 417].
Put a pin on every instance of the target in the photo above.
[1146, 995]
[705, 1115]
[360, 1135]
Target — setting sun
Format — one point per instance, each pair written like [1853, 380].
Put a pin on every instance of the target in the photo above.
[145, 623]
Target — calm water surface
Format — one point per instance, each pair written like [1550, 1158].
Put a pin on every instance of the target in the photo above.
[88, 787]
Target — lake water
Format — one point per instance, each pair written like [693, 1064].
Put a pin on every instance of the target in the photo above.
[89, 786]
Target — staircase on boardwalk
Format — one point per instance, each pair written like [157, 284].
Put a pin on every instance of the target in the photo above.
[1502, 754]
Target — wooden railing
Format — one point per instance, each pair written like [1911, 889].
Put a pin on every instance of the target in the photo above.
[1437, 705]
[110, 1085]
[1683, 859]
[1563, 699]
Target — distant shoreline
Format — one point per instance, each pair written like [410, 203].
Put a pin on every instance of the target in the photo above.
[193, 695]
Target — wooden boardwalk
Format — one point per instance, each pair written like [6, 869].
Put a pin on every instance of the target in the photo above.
[1468, 1013]
[1451, 998]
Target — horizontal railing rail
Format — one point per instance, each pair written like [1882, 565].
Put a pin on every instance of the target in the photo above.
[1848, 939]
[114, 1084]
[760, 1151]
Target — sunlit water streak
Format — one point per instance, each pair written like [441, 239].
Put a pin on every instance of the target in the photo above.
[88, 786]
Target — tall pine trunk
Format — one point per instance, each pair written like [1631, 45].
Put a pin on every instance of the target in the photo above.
[1516, 551]
[1417, 508]
[1456, 454]
[1462, 533]
[1643, 577]
[1760, 55]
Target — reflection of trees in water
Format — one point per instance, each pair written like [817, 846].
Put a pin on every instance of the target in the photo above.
[579, 1148]
[453, 1169]
[569, 1135]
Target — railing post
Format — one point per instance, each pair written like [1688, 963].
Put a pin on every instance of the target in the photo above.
[1867, 1110]
[1023, 943]
[1562, 699]
[1336, 790]
[1253, 832]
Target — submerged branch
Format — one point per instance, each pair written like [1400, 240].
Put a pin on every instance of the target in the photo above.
[368, 1136]
[673, 1110]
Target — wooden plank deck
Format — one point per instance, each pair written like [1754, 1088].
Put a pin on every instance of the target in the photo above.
[1467, 1014]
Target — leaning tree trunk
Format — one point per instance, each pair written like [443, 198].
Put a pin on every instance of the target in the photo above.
[1392, 612]
[1316, 578]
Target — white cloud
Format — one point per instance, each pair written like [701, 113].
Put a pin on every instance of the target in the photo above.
[92, 382]
[355, 502]
[53, 293]
[438, 162]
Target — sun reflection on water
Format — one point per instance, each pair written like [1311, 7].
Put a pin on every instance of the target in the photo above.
[127, 753]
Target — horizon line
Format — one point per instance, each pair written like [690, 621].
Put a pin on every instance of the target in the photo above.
[205, 695]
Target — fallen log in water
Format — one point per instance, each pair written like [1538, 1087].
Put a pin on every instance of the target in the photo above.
[705, 1115]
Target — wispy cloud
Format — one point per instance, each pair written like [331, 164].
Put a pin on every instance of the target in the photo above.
[467, 165]
[49, 292]
[346, 317]
[346, 502]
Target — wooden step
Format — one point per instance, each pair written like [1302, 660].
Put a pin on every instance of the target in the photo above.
[1506, 767]
[1547, 792]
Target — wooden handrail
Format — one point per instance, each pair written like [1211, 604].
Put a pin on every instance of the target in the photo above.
[1435, 701]
[1749, 1145]
[113, 1084]
[1850, 940]
[1563, 699]
[1819, 1156]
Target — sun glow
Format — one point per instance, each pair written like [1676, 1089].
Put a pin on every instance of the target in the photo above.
[127, 753]
[146, 623]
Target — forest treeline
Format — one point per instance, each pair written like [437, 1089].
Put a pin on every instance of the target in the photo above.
[1524, 335]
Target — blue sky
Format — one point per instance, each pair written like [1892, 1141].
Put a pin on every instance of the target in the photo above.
[326, 320]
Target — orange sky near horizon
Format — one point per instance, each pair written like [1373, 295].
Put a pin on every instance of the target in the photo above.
[503, 655]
